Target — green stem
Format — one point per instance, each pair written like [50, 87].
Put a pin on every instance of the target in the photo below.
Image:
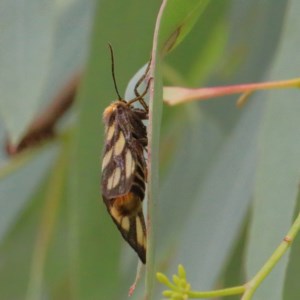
[217, 293]
[254, 283]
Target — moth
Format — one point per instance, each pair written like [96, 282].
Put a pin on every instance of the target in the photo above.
[124, 169]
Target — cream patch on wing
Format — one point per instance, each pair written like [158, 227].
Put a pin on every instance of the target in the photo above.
[114, 179]
[129, 164]
[125, 223]
[110, 132]
[139, 232]
[106, 159]
[120, 144]
[115, 214]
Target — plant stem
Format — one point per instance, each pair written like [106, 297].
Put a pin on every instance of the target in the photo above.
[177, 95]
[217, 293]
[254, 283]
[247, 289]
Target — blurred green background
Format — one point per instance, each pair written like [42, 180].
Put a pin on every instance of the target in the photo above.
[229, 177]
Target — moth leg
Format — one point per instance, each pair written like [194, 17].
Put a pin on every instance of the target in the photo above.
[142, 79]
[140, 97]
[143, 115]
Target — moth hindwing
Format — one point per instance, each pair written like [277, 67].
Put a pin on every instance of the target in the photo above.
[124, 167]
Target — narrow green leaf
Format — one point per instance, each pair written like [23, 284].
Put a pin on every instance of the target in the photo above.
[153, 130]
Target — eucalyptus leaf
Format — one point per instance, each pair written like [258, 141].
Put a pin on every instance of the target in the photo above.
[43, 43]
[26, 41]
[210, 187]
[220, 205]
[278, 171]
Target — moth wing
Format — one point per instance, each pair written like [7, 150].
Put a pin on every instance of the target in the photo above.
[118, 168]
[133, 230]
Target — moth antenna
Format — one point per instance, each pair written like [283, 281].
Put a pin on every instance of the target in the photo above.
[113, 70]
